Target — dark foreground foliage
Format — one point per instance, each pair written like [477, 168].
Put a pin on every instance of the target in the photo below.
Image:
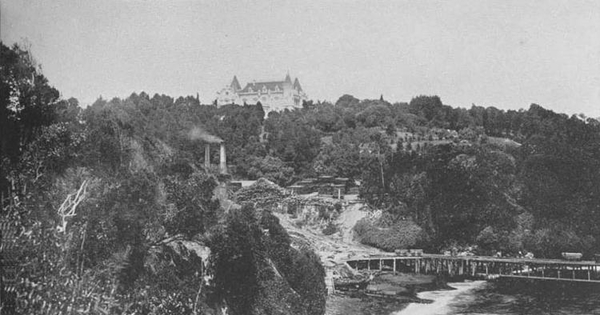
[108, 209]
[255, 268]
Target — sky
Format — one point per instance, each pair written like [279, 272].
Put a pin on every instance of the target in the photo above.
[503, 53]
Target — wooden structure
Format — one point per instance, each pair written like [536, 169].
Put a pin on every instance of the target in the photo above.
[324, 185]
[535, 269]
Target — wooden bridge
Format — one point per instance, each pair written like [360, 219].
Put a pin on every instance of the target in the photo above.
[490, 267]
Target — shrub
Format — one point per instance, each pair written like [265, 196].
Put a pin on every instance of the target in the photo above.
[403, 234]
[330, 229]
[263, 194]
[550, 242]
[299, 223]
[324, 212]
[488, 239]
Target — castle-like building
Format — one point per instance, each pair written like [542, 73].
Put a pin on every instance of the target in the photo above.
[273, 95]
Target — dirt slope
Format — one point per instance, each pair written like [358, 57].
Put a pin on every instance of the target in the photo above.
[332, 249]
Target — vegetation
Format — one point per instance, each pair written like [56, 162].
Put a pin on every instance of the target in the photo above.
[398, 235]
[113, 211]
[262, 194]
[330, 229]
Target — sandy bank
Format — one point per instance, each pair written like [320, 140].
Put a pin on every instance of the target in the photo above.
[396, 292]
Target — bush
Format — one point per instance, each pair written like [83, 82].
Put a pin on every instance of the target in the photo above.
[330, 229]
[263, 194]
[403, 234]
[550, 242]
[487, 239]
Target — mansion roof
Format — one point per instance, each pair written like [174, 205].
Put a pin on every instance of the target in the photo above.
[260, 86]
[264, 86]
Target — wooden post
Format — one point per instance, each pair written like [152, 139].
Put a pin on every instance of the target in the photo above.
[369, 265]
[543, 268]
[380, 265]
[573, 272]
[487, 273]
[445, 266]
[589, 278]
[558, 273]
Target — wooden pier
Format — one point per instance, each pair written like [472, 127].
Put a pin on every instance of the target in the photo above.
[535, 269]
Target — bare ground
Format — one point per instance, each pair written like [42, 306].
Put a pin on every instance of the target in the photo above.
[335, 249]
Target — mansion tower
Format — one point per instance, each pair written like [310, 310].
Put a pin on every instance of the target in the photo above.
[273, 95]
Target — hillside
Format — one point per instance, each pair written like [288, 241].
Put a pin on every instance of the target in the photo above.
[100, 200]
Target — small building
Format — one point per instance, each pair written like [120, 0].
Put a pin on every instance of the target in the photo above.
[324, 185]
[236, 185]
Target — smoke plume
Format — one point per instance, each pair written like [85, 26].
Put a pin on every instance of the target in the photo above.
[198, 133]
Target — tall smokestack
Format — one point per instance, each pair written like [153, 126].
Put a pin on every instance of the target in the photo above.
[223, 160]
[207, 156]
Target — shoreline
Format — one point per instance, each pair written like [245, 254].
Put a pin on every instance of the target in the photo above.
[386, 293]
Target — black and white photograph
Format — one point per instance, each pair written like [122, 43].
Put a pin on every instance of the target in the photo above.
[278, 157]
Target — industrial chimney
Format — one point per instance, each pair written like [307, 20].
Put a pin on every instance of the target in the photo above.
[222, 160]
[207, 156]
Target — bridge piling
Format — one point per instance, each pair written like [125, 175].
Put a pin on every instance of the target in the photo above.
[588, 274]
[538, 269]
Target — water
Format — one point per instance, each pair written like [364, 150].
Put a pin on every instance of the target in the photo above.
[486, 298]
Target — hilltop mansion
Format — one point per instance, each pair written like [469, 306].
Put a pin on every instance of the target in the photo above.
[273, 95]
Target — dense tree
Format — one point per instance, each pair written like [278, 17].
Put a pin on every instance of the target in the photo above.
[291, 140]
[271, 168]
[238, 253]
[28, 105]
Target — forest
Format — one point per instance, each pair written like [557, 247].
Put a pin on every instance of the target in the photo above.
[108, 208]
